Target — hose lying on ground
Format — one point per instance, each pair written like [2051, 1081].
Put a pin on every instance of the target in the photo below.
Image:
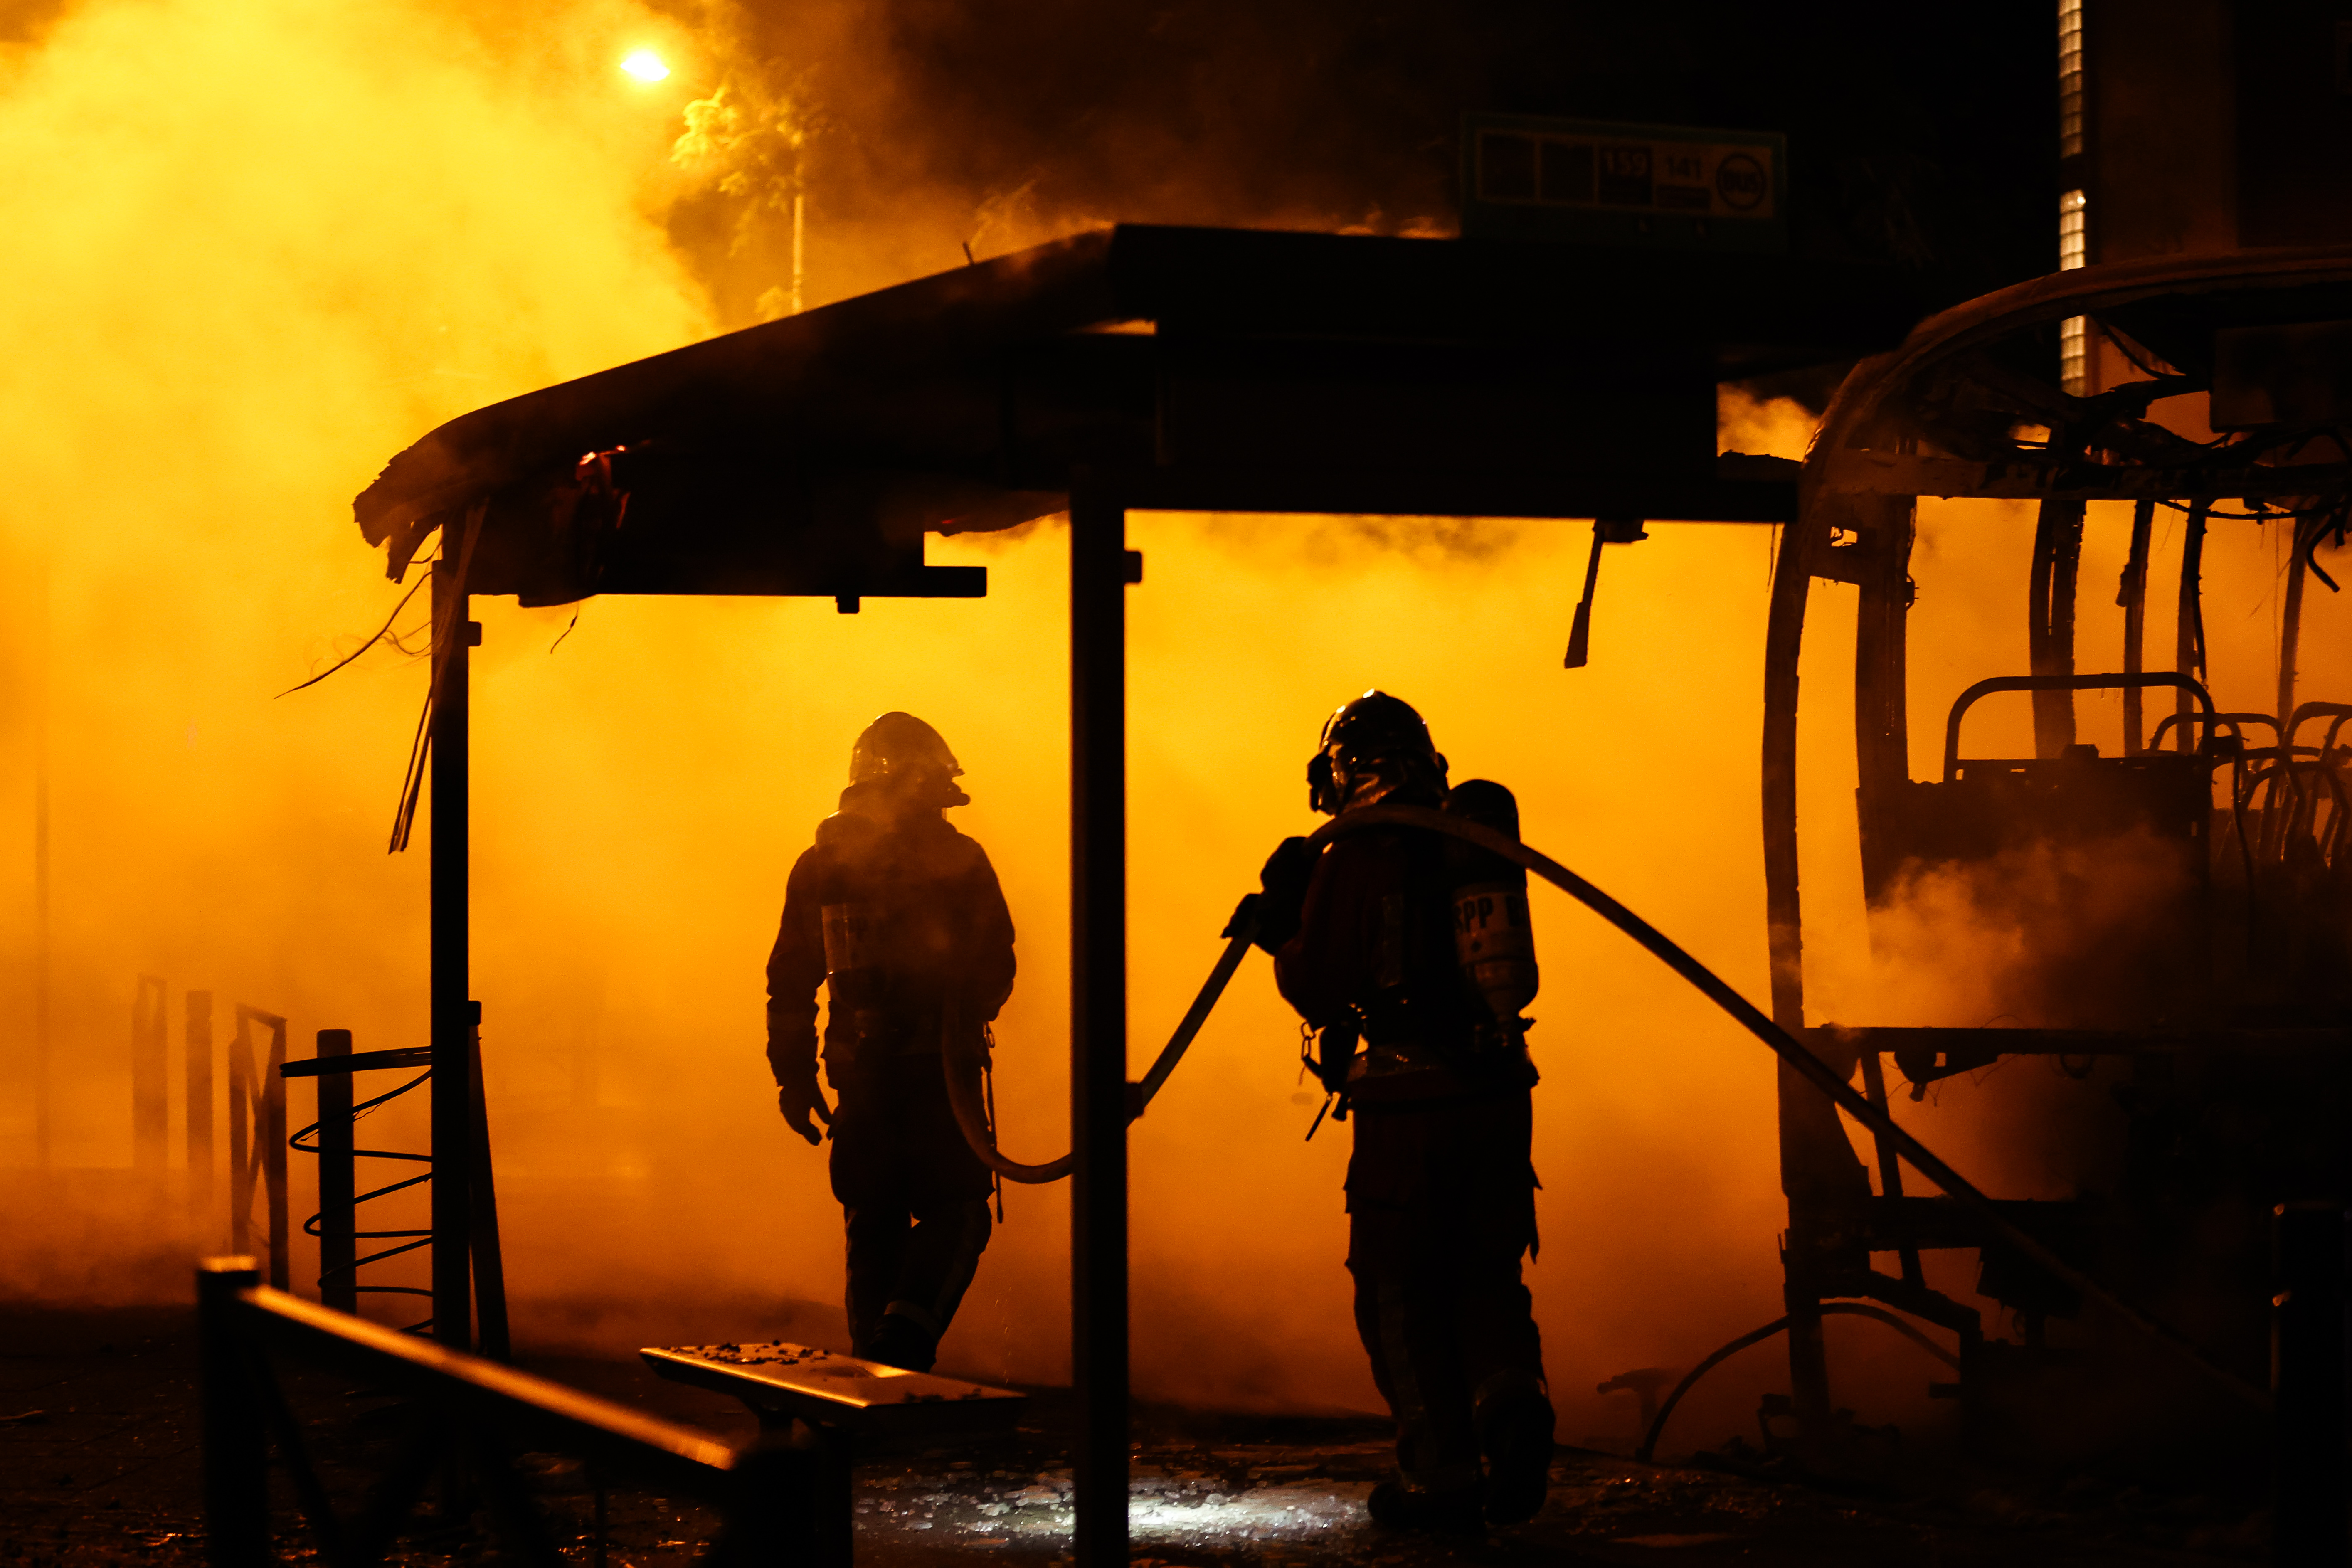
[962, 1066]
[1758, 1336]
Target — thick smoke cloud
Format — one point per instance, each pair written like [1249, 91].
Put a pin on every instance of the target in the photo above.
[255, 247]
[932, 125]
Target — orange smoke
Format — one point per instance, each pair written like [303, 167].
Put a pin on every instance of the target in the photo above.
[256, 246]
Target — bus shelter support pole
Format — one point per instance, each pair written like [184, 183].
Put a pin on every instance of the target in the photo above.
[452, 1011]
[1098, 1090]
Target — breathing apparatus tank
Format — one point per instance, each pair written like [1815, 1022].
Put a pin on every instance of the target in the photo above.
[1493, 938]
[853, 974]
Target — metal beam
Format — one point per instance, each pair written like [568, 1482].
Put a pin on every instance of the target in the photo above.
[1099, 1092]
[1694, 497]
[1860, 471]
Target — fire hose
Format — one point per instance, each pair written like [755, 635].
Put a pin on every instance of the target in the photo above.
[964, 1069]
[962, 1066]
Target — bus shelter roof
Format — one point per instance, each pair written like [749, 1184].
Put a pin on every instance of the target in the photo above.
[1192, 368]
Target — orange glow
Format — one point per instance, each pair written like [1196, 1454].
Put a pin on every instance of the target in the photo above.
[258, 245]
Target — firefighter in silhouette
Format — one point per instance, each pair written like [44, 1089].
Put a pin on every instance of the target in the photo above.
[900, 917]
[1410, 953]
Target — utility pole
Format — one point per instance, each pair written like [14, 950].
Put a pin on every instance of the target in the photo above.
[44, 1111]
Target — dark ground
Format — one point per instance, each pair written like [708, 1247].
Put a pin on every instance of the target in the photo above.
[99, 1467]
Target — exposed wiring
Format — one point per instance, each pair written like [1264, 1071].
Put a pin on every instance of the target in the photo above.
[400, 639]
[446, 629]
[382, 633]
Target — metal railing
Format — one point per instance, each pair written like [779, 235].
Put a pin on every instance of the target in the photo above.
[476, 1417]
[334, 1139]
[257, 1138]
[257, 1111]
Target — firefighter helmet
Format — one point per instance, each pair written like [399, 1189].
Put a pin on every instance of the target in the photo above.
[905, 753]
[1374, 745]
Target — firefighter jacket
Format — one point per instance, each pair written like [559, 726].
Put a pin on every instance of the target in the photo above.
[1375, 955]
[905, 915]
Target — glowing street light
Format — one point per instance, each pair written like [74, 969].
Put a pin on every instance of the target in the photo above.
[646, 65]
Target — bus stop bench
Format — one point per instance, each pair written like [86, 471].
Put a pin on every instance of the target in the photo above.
[780, 1382]
[823, 1400]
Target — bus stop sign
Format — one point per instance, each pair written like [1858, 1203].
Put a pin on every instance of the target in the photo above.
[1594, 183]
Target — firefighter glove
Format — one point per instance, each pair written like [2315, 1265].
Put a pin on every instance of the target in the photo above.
[1288, 871]
[798, 1100]
[1246, 916]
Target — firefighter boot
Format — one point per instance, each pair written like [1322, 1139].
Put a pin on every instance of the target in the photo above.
[901, 1340]
[1515, 1427]
[1395, 1506]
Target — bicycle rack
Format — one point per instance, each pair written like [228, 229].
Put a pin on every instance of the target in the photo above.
[334, 1139]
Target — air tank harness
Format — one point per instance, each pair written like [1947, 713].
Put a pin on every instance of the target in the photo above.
[1496, 949]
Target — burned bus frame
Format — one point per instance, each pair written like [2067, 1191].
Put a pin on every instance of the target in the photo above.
[1130, 368]
[1953, 413]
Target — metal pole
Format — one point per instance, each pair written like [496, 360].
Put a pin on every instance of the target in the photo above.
[44, 1109]
[1098, 1025]
[2303, 537]
[244, 1120]
[1890, 1166]
[198, 1050]
[2307, 1381]
[273, 1158]
[1801, 541]
[1809, 1355]
[489, 1263]
[2132, 594]
[1881, 714]
[2188, 624]
[237, 1451]
[151, 1075]
[800, 207]
[2050, 631]
[339, 1247]
[453, 1023]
